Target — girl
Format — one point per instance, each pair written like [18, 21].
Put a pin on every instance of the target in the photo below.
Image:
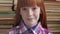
[30, 18]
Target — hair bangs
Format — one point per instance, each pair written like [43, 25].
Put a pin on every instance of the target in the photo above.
[27, 3]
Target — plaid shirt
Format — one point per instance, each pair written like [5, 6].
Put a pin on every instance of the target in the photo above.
[22, 29]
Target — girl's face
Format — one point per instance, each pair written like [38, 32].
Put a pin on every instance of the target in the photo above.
[30, 15]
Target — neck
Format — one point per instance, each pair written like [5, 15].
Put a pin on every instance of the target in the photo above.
[30, 25]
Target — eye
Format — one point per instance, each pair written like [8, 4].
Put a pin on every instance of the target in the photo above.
[24, 9]
[34, 8]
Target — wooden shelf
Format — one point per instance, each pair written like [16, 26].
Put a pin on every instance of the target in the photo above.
[7, 21]
[6, 8]
[6, 2]
[5, 26]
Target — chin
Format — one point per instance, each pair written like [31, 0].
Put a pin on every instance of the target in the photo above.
[32, 22]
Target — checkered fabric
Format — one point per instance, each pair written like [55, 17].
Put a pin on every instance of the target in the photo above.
[22, 29]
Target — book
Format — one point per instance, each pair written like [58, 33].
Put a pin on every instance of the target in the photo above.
[5, 8]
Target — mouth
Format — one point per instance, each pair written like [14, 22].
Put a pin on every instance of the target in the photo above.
[30, 18]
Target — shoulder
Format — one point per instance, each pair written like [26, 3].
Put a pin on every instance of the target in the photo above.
[12, 30]
[46, 31]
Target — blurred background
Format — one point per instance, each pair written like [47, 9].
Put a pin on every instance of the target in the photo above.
[7, 14]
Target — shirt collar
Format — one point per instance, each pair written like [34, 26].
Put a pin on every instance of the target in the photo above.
[34, 29]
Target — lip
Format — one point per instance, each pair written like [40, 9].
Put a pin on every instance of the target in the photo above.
[30, 18]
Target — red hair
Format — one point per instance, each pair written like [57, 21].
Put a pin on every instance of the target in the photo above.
[23, 3]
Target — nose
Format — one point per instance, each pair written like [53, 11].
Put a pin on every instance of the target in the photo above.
[30, 12]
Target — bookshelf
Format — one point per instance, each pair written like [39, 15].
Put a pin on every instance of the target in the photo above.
[53, 16]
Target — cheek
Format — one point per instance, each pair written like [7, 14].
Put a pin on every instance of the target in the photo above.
[37, 14]
[22, 14]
